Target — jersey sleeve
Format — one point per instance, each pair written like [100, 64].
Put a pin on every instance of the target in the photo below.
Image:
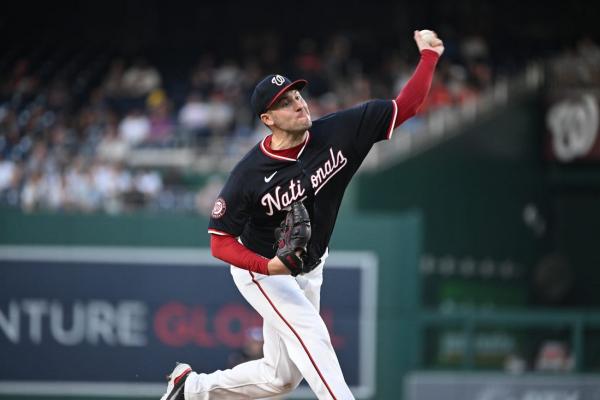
[230, 212]
[371, 122]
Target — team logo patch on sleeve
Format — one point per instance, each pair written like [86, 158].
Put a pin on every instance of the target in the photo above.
[219, 209]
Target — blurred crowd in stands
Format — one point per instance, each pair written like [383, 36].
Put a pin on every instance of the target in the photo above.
[69, 119]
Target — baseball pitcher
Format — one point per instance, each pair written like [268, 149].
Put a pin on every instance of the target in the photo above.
[272, 223]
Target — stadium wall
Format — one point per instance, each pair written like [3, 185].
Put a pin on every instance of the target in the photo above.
[394, 238]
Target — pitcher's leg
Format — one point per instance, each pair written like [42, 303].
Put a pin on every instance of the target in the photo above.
[311, 283]
[250, 380]
[298, 328]
[272, 375]
[281, 301]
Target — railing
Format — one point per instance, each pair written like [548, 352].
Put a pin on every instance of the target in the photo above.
[575, 321]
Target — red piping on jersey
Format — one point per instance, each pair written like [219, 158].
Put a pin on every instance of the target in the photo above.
[295, 334]
[292, 152]
[393, 121]
[272, 153]
[217, 232]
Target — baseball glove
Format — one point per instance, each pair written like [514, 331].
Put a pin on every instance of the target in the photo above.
[292, 236]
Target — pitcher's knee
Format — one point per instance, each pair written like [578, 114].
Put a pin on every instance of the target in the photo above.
[287, 384]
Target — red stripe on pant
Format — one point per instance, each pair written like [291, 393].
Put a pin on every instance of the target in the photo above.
[295, 334]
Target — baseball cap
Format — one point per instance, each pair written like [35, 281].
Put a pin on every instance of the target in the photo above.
[270, 89]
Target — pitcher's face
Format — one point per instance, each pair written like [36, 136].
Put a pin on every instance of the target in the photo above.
[289, 113]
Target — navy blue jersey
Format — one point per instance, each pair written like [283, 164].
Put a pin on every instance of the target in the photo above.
[262, 185]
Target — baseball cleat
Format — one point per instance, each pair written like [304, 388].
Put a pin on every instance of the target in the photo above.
[176, 382]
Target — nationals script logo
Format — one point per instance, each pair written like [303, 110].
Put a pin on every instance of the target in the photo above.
[280, 199]
[331, 167]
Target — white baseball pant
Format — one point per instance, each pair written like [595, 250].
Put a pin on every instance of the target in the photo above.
[296, 343]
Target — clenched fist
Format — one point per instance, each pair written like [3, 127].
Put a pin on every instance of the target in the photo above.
[427, 39]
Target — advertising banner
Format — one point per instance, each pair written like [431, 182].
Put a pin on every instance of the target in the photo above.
[113, 321]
